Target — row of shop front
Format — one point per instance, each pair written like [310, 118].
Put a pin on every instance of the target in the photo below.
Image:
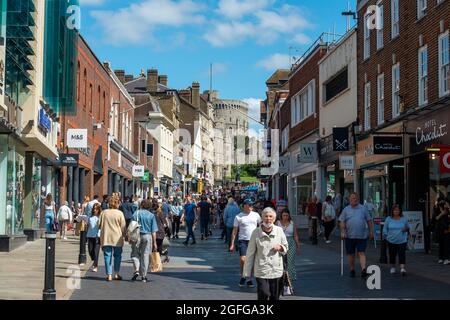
[406, 163]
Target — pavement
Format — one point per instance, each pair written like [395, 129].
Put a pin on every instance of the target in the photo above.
[207, 271]
[22, 271]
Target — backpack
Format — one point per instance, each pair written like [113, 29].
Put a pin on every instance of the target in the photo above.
[134, 231]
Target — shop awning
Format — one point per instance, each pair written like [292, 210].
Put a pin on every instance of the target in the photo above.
[98, 161]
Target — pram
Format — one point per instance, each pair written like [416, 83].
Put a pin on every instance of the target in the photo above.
[165, 247]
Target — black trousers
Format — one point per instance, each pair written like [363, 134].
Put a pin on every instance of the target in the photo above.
[176, 225]
[397, 249]
[269, 289]
[329, 226]
[159, 244]
[444, 246]
[94, 249]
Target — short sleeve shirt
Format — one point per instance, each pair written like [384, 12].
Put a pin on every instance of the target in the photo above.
[355, 220]
[246, 223]
[205, 209]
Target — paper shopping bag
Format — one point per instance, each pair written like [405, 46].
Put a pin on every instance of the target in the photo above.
[156, 265]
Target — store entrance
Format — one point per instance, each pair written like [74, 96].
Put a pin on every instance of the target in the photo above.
[397, 183]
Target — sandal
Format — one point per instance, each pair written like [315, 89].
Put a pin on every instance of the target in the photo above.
[109, 278]
[117, 277]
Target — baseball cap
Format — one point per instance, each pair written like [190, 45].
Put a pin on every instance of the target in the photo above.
[248, 201]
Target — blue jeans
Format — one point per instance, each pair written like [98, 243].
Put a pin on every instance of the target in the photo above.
[108, 254]
[49, 220]
[190, 226]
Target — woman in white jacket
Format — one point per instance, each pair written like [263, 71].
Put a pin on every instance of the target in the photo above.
[267, 246]
[65, 216]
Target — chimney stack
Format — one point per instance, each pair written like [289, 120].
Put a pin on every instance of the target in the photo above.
[152, 80]
[128, 78]
[163, 79]
[196, 94]
[121, 75]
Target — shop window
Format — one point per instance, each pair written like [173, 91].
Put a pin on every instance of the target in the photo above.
[336, 85]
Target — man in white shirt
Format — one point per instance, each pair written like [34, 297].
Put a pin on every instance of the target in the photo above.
[244, 224]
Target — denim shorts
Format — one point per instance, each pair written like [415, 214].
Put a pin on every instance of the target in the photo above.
[243, 245]
[352, 245]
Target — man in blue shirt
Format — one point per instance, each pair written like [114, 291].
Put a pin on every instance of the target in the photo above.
[140, 252]
[231, 211]
[190, 217]
[356, 224]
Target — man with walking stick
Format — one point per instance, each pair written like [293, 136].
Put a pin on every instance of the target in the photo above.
[356, 226]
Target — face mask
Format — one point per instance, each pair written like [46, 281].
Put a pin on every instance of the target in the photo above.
[267, 225]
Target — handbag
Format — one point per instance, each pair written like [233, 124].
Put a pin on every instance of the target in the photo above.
[156, 264]
[55, 226]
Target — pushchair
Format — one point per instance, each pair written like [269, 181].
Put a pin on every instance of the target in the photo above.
[165, 247]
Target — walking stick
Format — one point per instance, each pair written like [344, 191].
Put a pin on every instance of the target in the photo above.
[342, 257]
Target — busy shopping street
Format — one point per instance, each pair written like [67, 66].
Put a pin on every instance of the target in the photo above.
[230, 150]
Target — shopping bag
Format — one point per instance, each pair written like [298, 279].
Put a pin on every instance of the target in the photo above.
[288, 289]
[156, 264]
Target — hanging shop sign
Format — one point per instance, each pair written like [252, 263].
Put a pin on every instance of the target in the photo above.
[77, 138]
[445, 160]
[387, 145]
[138, 171]
[308, 153]
[341, 141]
[347, 162]
[68, 160]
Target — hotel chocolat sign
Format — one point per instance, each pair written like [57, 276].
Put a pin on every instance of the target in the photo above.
[388, 145]
[430, 131]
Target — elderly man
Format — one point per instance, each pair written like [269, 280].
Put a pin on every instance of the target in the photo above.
[267, 246]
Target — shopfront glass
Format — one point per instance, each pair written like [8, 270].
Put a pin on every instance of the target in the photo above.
[305, 186]
[12, 169]
[439, 182]
[36, 192]
[375, 190]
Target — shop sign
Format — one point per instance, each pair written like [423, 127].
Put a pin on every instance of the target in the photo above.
[146, 176]
[77, 138]
[340, 139]
[415, 222]
[387, 145]
[138, 171]
[44, 121]
[346, 162]
[128, 167]
[308, 153]
[68, 160]
[445, 160]
[431, 130]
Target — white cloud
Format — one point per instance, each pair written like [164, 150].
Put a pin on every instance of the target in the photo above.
[137, 22]
[220, 68]
[302, 39]
[236, 9]
[275, 61]
[264, 26]
[91, 2]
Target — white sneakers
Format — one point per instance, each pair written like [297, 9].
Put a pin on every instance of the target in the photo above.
[328, 241]
[446, 262]
[393, 270]
[441, 261]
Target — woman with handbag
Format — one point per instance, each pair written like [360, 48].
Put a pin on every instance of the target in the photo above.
[329, 217]
[112, 231]
[291, 233]
[161, 233]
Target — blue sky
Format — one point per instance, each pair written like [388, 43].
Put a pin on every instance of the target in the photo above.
[246, 40]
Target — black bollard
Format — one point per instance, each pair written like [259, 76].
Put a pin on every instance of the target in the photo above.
[314, 238]
[82, 255]
[49, 292]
